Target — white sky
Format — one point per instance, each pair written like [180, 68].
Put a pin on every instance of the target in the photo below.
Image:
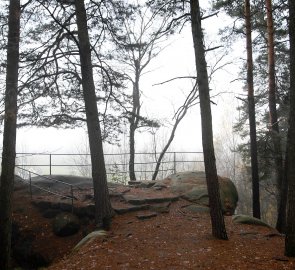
[158, 101]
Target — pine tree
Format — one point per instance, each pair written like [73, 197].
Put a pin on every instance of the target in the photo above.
[217, 220]
[103, 208]
[9, 135]
[274, 124]
[290, 232]
[251, 111]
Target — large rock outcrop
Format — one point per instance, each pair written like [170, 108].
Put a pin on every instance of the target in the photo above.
[192, 186]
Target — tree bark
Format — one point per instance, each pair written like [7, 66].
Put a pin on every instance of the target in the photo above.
[9, 135]
[290, 232]
[103, 209]
[217, 220]
[251, 109]
[274, 124]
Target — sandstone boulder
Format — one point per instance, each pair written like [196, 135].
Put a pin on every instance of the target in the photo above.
[192, 187]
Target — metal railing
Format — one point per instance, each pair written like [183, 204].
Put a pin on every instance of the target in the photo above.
[32, 185]
[116, 164]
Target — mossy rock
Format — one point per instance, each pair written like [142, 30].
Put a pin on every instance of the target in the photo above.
[244, 219]
[90, 237]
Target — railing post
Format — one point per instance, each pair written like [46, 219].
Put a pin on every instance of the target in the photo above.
[72, 196]
[50, 164]
[174, 162]
[30, 178]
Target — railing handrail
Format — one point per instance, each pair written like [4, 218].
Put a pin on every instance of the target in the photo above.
[116, 163]
[108, 154]
[43, 176]
[108, 164]
[47, 190]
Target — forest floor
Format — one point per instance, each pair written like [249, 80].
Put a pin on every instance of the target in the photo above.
[176, 240]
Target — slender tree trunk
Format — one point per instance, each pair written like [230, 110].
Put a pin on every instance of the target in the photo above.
[9, 136]
[274, 124]
[103, 209]
[217, 220]
[134, 119]
[162, 154]
[251, 108]
[290, 232]
[132, 175]
[178, 118]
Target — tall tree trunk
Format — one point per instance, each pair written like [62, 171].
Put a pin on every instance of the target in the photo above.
[251, 109]
[134, 120]
[9, 136]
[290, 232]
[274, 124]
[103, 209]
[217, 220]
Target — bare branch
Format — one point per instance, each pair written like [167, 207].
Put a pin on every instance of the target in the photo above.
[209, 16]
[176, 78]
[213, 48]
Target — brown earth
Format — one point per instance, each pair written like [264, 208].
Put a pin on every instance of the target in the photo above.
[175, 240]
